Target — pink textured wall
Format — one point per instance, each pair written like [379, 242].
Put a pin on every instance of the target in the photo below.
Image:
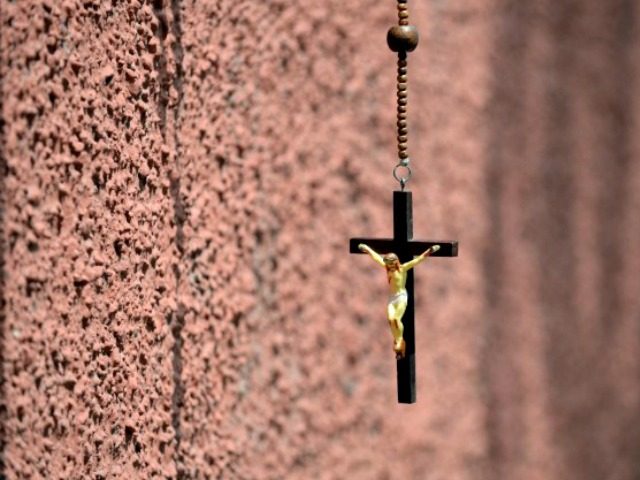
[180, 180]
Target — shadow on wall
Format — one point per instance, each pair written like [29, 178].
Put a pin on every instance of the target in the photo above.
[550, 101]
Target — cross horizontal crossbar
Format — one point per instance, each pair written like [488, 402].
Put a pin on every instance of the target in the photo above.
[414, 247]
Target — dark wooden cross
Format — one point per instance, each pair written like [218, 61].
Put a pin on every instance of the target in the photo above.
[402, 245]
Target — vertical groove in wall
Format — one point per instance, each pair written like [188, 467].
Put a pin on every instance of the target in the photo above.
[177, 318]
[3, 164]
[179, 217]
[558, 174]
[503, 418]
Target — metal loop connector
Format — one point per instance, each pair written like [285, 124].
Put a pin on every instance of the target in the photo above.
[402, 179]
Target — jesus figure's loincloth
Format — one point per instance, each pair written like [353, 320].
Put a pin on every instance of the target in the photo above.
[399, 298]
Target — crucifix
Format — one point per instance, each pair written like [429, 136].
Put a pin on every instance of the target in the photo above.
[402, 253]
[406, 249]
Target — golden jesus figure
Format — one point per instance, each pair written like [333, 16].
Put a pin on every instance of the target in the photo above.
[398, 297]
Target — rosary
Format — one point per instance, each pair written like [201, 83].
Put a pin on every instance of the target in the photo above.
[403, 253]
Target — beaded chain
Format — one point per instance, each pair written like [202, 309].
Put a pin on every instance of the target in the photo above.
[403, 38]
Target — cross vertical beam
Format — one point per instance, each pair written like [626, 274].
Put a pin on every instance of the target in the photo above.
[402, 235]
[406, 248]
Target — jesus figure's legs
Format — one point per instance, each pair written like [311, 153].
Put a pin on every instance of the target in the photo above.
[395, 311]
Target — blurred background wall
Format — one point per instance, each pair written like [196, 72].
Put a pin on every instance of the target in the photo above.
[179, 183]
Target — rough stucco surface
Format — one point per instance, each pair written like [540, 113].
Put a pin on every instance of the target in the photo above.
[180, 180]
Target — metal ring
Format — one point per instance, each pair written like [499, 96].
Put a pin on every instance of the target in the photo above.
[402, 179]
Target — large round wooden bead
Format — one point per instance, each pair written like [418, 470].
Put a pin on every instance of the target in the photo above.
[403, 38]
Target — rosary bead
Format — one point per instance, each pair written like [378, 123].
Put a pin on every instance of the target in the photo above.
[403, 13]
[403, 38]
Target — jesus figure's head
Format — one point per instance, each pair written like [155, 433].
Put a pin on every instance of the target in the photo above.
[391, 262]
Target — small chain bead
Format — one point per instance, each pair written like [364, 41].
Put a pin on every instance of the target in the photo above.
[403, 13]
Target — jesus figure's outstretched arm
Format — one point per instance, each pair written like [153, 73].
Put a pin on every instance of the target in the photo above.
[376, 256]
[412, 263]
